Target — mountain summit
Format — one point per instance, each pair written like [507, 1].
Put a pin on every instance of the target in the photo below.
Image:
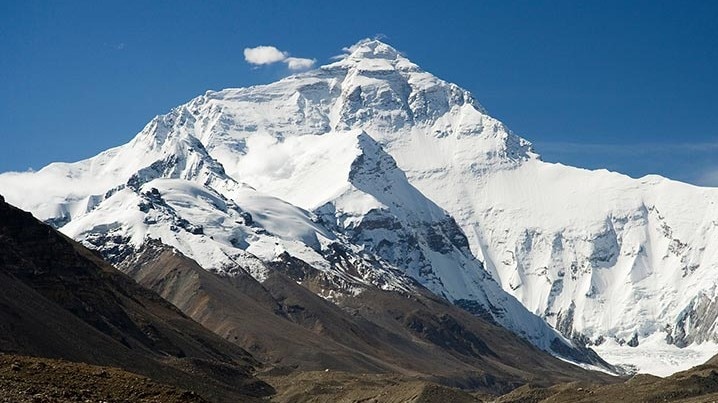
[371, 49]
[420, 187]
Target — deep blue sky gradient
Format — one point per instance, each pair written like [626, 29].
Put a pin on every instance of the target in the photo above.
[629, 87]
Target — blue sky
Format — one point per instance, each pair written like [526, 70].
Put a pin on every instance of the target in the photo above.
[629, 87]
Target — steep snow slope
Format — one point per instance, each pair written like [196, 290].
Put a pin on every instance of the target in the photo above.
[598, 254]
[628, 255]
[604, 257]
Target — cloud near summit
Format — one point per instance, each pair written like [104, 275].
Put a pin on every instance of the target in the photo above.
[265, 55]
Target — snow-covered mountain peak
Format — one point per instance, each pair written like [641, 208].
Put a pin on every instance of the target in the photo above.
[372, 55]
[374, 88]
[382, 80]
[372, 49]
[409, 168]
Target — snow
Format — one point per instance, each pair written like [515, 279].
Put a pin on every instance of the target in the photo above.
[654, 357]
[306, 171]
[610, 226]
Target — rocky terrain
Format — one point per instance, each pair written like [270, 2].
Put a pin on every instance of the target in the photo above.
[323, 386]
[41, 380]
[698, 384]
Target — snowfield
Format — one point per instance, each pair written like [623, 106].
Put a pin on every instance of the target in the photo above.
[655, 357]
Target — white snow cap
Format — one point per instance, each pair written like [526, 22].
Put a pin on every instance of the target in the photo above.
[371, 48]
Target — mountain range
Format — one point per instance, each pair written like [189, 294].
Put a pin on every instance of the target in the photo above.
[367, 213]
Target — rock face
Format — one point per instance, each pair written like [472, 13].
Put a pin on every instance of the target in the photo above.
[409, 175]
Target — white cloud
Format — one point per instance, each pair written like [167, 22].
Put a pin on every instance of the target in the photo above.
[299, 63]
[263, 55]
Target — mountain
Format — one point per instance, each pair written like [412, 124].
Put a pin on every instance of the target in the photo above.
[418, 186]
[61, 301]
[165, 185]
[284, 323]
